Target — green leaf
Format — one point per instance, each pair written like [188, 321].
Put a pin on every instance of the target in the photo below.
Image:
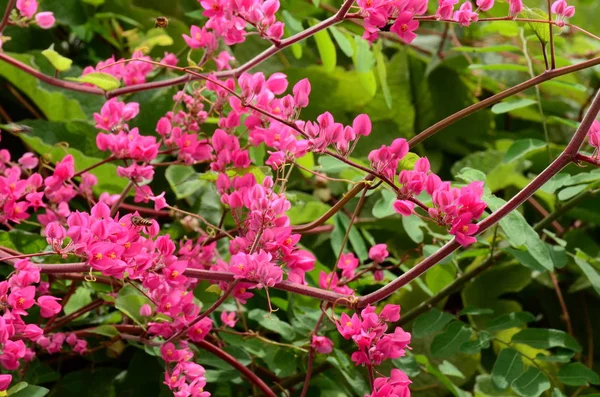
[520, 233]
[129, 302]
[440, 276]
[570, 192]
[342, 41]
[105, 330]
[326, 49]
[541, 30]
[447, 368]
[292, 23]
[555, 183]
[475, 311]
[577, 374]
[364, 59]
[510, 320]
[448, 343]
[104, 81]
[508, 367]
[382, 74]
[531, 384]
[272, 323]
[30, 391]
[305, 208]
[500, 66]
[383, 206]
[491, 48]
[16, 388]
[22, 241]
[475, 346]
[505, 107]
[79, 299]
[59, 62]
[349, 371]
[307, 161]
[95, 3]
[430, 322]
[543, 338]
[523, 147]
[590, 273]
[184, 181]
[412, 225]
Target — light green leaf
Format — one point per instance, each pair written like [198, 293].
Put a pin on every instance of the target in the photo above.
[104, 81]
[555, 183]
[508, 367]
[448, 342]
[412, 225]
[491, 48]
[570, 192]
[30, 391]
[79, 299]
[500, 66]
[326, 49]
[521, 148]
[105, 330]
[509, 106]
[292, 23]
[531, 384]
[383, 206]
[447, 368]
[541, 29]
[381, 68]
[342, 41]
[364, 59]
[129, 302]
[577, 374]
[59, 62]
[543, 338]
[590, 272]
[184, 181]
[430, 323]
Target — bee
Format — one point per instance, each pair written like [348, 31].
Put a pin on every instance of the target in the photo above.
[161, 22]
[17, 128]
[139, 221]
[118, 128]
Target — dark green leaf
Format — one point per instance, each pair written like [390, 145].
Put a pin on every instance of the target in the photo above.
[522, 148]
[577, 374]
[531, 384]
[543, 338]
[448, 342]
[510, 320]
[430, 322]
[590, 273]
[272, 323]
[505, 107]
[508, 367]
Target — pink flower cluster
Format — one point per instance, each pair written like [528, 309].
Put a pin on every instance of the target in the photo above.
[562, 10]
[266, 241]
[385, 159]
[454, 208]
[186, 379]
[17, 298]
[28, 9]
[326, 132]
[394, 386]
[369, 332]
[133, 72]
[228, 19]
[20, 189]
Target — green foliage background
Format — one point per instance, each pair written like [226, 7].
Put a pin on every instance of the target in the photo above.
[476, 341]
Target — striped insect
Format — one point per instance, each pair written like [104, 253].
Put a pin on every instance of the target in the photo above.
[118, 128]
[161, 22]
[139, 221]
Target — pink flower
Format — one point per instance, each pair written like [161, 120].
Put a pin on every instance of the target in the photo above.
[28, 161]
[362, 125]
[301, 92]
[515, 7]
[562, 10]
[11, 353]
[445, 9]
[463, 230]
[45, 20]
[390, 313]
[145, 310]
[5, 380]
[228, 319]
[378, 253]
[404, 27]
[223, 60]
[349, 326]
[21, 300]
[485, 5]
[48, 306]
[322, 344]
[465, 14]
[348, 263]
[169, 59]
[404, 207]
[27, 8]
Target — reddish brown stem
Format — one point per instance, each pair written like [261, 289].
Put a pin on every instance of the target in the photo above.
[251, 376]
[563, 305]
[9, 7]
[587, 159]
[67, 319]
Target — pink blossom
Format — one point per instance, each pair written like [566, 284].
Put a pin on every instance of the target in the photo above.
[515, 7]
[301, 92]
[445, 9]
[465, 15]
[21, 300]
[463, 230]
[12, 352]
[169, 59]
[49, 306]
[322, 344]
[145, 310]
[348, 263]
[562, 11]
[378, 253]
[5, 380]
[485, 5]
[28, 160]
[404, 207]
[594, 135]
[228, 319]
[45, 20]
[404, 27]
[27, 8]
